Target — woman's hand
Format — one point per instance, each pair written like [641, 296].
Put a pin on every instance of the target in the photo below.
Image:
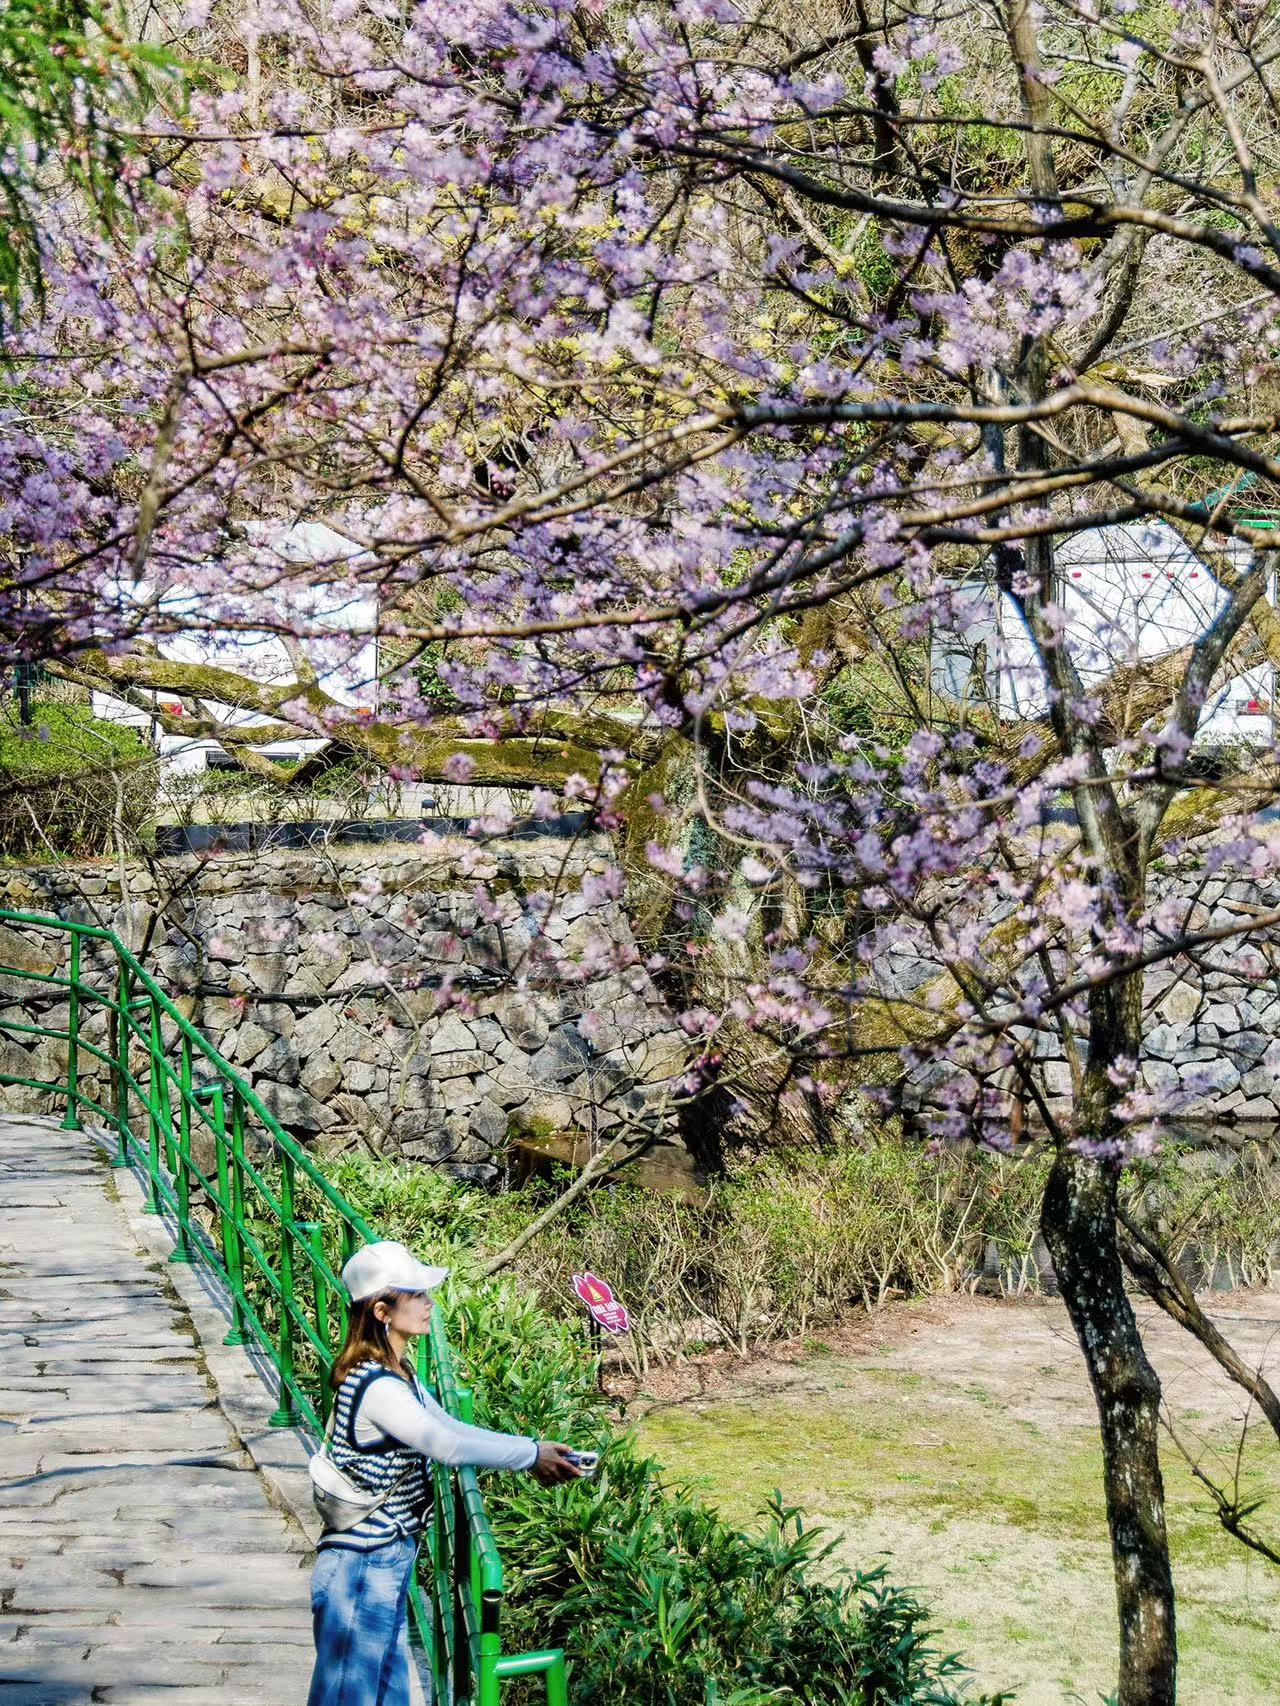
[552, 1463]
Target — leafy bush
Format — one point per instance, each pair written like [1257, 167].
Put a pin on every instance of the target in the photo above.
[656, 1599]
[348, 790]
[66, 781]
[786, 1242]
[1217, 1216]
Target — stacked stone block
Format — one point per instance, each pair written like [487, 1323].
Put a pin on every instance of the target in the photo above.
[1212, 1036]
[433, 1004]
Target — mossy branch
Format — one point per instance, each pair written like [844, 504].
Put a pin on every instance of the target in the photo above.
[561, 746]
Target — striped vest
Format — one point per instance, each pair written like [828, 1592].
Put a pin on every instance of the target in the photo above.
[376, 1467]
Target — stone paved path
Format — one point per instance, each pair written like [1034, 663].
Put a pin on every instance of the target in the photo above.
[140, 1560]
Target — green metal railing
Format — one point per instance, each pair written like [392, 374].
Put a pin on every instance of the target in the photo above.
[197, 1132]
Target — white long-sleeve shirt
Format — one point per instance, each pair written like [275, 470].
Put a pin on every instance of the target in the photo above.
[412, 1416]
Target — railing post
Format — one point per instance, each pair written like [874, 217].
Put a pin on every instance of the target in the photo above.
[549, 1665]
[182, 1248]
[490, 1653]
[155, 1083]
[461, 1562]
[313, 1232]
[163, 1104]
[232, 1248]
[557, 1681]
[482, 1610]
[438, 1543]
[215, 1095]
[284, 1415]
[120, 1016]
[463, 1571]
[72, 1120]
[347, 1241]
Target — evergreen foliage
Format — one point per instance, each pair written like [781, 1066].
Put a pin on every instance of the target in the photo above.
[68, 779]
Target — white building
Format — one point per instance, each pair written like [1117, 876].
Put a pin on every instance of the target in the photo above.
[337, 629]
[1129, 592]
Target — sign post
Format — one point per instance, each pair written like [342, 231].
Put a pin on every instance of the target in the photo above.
[602, 1304]
[604, 1308]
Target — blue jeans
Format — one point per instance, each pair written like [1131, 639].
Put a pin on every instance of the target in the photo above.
[359, 1618]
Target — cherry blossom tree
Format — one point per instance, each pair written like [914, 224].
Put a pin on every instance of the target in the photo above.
[679, 373]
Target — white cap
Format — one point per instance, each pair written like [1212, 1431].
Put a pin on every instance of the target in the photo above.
[387, 1266]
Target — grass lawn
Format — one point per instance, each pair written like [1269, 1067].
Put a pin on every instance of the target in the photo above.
[970, 1463]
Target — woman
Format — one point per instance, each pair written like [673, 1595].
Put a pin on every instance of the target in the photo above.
[386, 1431]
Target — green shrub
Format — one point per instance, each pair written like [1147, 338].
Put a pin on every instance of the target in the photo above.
[235, 796]
[787, 1242]
[1217, 1216]
[68, 779]
[656, 1599]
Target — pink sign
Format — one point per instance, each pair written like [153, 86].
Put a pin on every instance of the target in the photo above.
[603, 1305]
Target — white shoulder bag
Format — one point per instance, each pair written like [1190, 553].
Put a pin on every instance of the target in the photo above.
[341, 1501]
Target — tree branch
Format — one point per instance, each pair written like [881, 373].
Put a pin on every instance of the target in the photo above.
[1164, 1285]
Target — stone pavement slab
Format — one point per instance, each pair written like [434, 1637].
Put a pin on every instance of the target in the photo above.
[141, 1560]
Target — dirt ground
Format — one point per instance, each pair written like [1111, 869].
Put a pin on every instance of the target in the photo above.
[955, 1439]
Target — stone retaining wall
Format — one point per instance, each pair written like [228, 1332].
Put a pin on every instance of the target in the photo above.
[1210, 1021]
[378, 997]
[1213, 1029]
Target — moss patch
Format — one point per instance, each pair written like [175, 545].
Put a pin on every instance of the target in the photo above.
[64, 779]
[66, 740]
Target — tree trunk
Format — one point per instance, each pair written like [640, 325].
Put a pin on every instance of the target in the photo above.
[1079, 1224]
